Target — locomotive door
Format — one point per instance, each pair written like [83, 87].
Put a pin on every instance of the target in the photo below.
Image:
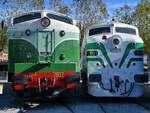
[46, 44]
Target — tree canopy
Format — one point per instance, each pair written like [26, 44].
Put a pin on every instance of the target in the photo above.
[3, 39]
[123, 14]
[89, 12]
[58, 6]
[10, 8]
[140, 17]
[86, 12]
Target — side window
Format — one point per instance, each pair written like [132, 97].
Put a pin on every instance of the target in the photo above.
[27, 17]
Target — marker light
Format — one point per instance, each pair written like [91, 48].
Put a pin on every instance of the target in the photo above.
[133, 44]
[62, 57]
[104, 37]
[116, 47]
[97, 63]
[116, 78]
[62, 33]
[27, 32]
[103, 64]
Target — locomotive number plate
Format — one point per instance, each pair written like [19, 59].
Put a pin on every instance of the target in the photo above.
[58, 74]
[1, 89]
[114, 50]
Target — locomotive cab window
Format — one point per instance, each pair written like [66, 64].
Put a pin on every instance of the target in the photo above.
[100, 30]
[125, 30]
[27, 17]
[60, 18]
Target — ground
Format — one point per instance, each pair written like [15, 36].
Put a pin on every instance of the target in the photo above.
[10, 103]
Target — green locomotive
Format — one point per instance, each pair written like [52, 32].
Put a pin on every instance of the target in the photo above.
[44, 52]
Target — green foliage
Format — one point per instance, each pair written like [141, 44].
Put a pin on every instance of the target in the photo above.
[89, 12]
[12, 8]
[3, 39]
[140, 17]
[123, 14]
[65, 10]
[58, 6]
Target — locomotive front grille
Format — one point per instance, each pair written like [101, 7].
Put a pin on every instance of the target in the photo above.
[95, 77]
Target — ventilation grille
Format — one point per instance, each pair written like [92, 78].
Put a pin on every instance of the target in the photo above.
[95, 77]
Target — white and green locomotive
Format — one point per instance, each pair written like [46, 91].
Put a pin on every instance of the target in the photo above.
[112, 60]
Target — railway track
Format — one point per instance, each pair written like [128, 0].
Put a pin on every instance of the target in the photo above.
[66, 105]
[140, 103]
[27, 103]
[98, 102]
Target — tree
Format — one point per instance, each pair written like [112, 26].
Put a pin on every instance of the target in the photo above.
[123, 14]
[3, 39]
[89, 12]
[14, 7]
[58, 6]
[141, 17]
[11, 8]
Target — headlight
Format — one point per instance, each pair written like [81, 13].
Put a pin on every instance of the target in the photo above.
[45, 22]
[116, 41]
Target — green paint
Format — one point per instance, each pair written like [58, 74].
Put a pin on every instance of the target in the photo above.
[18, 50]
[103, 50]
[34, 67]
[134, 59]
[130, 47]
[35, 34]
[97, 59]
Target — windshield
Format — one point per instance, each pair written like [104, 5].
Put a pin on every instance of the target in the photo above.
[99, 30]
[60, 18]
[125, 30]
[27, 17]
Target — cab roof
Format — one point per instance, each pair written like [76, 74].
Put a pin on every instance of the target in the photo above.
[45, 11]
[112, 23]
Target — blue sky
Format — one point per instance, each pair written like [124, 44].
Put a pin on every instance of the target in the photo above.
[114, 4]
[110, 4]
